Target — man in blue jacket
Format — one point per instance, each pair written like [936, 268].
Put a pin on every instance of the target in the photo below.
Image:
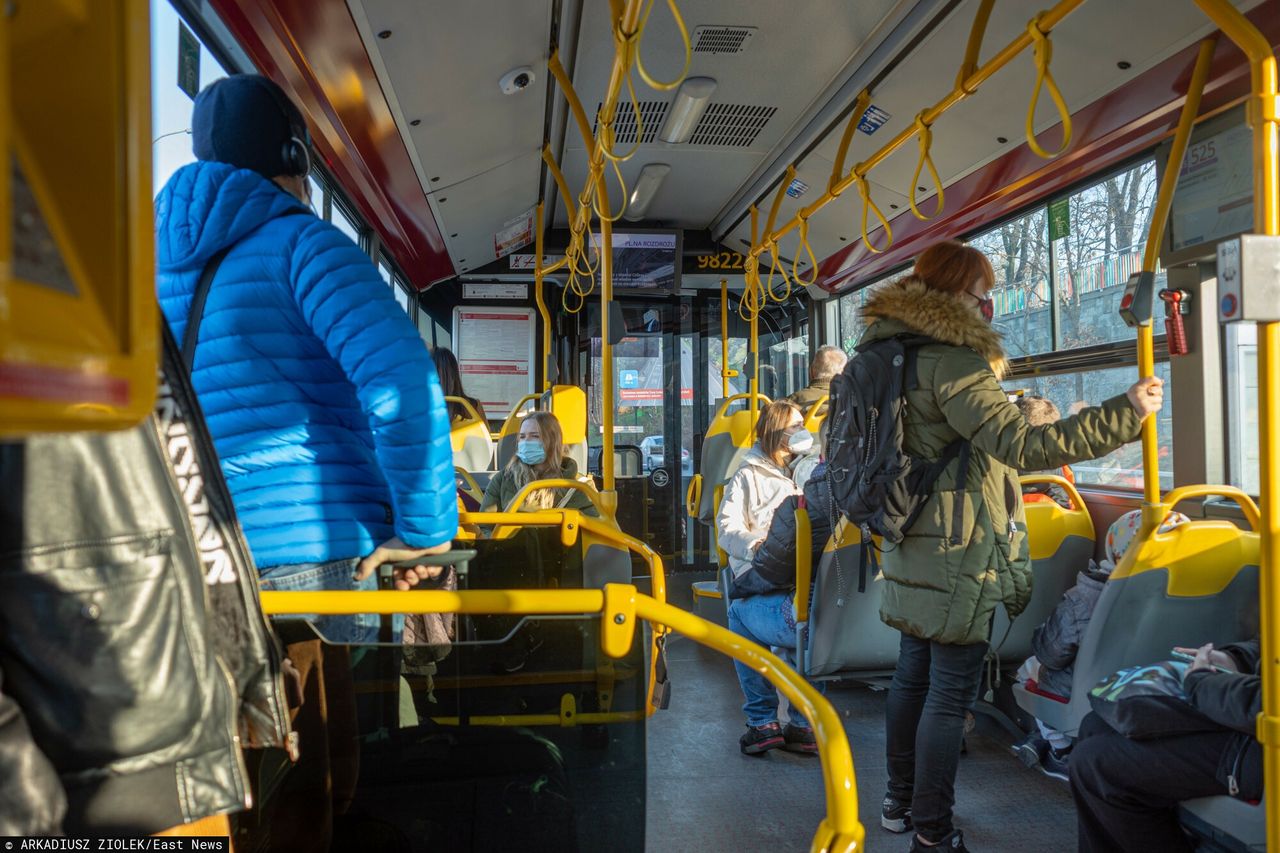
[322, 400]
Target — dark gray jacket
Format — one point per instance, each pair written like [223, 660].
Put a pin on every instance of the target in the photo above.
[1234, 701]
[134, 657]
[1056, 642]
[773, 567]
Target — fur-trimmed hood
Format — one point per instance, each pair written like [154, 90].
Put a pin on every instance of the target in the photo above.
[909, 303]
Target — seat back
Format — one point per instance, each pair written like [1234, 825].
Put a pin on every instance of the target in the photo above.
[728, 439]
[1195, 584]
[1061, 541]
[469, 436]
[848, 637]
[569, 404]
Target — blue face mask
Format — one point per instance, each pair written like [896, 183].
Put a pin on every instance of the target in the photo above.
[531, 452]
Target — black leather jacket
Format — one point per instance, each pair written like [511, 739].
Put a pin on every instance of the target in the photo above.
[122, 672]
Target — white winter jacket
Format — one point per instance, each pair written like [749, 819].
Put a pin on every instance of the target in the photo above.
[750, 500]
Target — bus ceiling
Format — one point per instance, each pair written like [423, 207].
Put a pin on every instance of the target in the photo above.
[441, 143]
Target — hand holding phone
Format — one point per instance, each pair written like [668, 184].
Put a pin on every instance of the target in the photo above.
[1205, 657]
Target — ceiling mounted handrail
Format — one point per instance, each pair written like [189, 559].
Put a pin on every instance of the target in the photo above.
[859, 108]
[1045, 22]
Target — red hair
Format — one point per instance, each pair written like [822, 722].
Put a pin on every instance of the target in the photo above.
[953, 267]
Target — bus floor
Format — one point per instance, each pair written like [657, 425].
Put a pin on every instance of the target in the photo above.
[703, 794]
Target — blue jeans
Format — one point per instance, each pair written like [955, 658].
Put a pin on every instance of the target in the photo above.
[770, 621]
[360, 629]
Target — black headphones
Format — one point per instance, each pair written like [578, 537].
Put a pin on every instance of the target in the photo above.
[295, 154]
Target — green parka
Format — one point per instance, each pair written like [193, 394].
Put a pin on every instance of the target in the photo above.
[936, 589]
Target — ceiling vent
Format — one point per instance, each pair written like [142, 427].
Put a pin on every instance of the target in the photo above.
[624, 122]
[731, 125]
[712, 39]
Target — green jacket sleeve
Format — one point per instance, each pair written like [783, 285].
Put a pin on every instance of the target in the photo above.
[978, 409]
[493, 492]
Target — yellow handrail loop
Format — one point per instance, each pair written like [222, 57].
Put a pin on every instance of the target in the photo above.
[925, 135]
[776, 265]
[684, 36]
[806, 247]
[1042, 49]
[868, 203]
[610, 140]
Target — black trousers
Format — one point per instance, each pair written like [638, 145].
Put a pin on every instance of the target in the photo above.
[934, 685]
[1127, 791]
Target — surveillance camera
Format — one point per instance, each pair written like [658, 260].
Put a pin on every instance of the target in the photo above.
[517, 80]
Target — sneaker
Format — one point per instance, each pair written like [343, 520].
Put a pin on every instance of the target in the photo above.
[952, 843]
[799, 739]
[1031, 750]
[760, 739]
[1054, 764]
[894, 816]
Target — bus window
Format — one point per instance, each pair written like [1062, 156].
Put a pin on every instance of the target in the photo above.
[1018, 251]
[1071, 392]
[1242, 405]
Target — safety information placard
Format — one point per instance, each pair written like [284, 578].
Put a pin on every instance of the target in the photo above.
[495, 351]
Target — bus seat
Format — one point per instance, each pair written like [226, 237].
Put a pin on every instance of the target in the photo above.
[469, 436]
[729, 437]
[1061, 541]
[849, 637]
[508, 435]
[1228, 823]
[1194, 584]
[569, 404]
[816, 414]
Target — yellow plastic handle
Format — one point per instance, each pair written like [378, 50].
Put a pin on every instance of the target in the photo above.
[724, 407]
[560, 483]
[693, 497]
[868, 204]
[1246, 504]
[811, 418]
[804, 563]
[925, 134]
[466, 404]
[470, 486]
[1077, 502]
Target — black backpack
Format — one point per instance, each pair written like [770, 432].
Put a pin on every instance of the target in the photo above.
[874, 482]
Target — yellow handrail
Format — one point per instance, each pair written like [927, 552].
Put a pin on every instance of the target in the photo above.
[466, 404]
[1238, 496]
[974, 47]
[804, 563]
[1077, 502]
[859, 107]
[539, 298]
[813, 416]
[1264, 118]
[1046, 22]
[553, 483]
[926, 159]
[1154, 511]
[620, 607]
[725, 372]
[1043, 55]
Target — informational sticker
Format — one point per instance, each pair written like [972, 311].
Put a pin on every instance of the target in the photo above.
[516, 233]
[872, 120]
[527, 262]
[495, 290]
[494, 347]
[188, 61]
[628, 379]
[661, 479]
[1059, 219]
[797, 188]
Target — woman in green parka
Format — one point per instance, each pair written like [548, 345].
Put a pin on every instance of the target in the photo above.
[943, 583]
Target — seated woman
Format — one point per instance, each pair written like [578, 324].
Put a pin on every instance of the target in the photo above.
[762, 609]
[539, 456]
[451, 384]
[761, 483]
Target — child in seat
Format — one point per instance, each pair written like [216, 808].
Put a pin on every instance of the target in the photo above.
[1055, 643]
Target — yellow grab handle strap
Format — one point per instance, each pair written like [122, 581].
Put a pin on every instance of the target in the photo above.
[684, 37]
[869, 204]
[775, 265]
[925, 135]
[1043, 54]
[804, 247]
[859, 107]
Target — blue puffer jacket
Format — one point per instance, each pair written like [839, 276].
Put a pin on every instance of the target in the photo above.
[322, 399]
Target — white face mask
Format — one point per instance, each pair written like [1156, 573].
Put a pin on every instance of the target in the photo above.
[801, 441]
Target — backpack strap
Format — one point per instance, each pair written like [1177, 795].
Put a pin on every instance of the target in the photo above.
[201, 295]
[196, 314]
